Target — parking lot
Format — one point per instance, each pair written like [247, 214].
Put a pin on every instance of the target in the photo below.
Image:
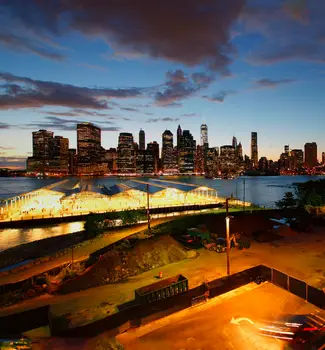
[231, 321]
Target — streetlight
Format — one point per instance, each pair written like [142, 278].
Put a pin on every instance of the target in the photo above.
[148, 210]
[228, 244]
[228, 217]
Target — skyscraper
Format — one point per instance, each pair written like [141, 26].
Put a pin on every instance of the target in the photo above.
[59, 155]
[254, 150]
[199, 165]
[179, 135]
[286, 149]
[323, 158]
[187, 153]
[204, 135]
[167, 153]
[41, 144]
[126, 154]
[296, 159]
[310, 154]
[153, 148]
[142, 140]
[88, 143]
[234, 142]
[240, 151]
[50, 154]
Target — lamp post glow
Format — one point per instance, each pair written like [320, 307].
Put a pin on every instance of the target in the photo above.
[148, 209]
[227, 236]
[228, 244]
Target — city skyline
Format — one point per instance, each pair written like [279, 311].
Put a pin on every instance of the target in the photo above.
[179, 155]
[145, 141]
[69, 69]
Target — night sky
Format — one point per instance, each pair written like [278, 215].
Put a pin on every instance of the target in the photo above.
[238, 66]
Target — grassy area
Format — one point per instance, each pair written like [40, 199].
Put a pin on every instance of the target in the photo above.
[214, 220]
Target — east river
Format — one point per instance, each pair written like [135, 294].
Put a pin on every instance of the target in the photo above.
[260, 190]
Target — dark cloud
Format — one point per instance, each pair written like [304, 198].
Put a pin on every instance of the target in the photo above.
[177, 76]
[165, 119]
[178, 87]
[22, 92]
[13, 162]
[269, 83]
[219, 97]
[290, 30]
[56, 123]
[76, 113]
[24, 44]
[129, 109]
[187, 31]
[4, 125]
[202, 79]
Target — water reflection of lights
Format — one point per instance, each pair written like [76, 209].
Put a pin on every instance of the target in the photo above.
[13, 237]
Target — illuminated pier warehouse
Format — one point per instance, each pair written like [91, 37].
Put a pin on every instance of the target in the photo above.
[79, 197]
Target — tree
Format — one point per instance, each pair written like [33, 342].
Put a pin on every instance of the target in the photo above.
[287, 202]
[311, 193]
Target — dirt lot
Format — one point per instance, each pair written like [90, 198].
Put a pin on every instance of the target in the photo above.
[209, 326]
[118, 264]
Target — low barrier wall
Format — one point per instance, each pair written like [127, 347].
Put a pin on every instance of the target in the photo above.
[24, 321]
[135, 314]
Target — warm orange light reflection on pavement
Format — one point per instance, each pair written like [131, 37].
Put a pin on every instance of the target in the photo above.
[209, 326]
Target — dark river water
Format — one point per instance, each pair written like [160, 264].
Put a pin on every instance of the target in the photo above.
[260, 190]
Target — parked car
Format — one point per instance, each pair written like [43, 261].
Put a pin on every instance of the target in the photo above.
[192, 242]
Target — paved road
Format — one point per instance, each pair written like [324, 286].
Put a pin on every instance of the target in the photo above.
[209, 327]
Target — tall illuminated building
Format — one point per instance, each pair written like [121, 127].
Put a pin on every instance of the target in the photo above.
[41, 144]
[234, 142]
[204, 135]
[88, 143]
[254, 150]
[153, 149]
[310, 155]
[186, 153]
[239, 151]
[59, 155]
[179, 135]
[199, 163]
[50, 154]
[126, 154]
[168, 158]
[296, 159]
[142, 140]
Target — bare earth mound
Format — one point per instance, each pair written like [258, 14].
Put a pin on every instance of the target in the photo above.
[118, 264]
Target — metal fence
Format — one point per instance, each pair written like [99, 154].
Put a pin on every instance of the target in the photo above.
[299, 288]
